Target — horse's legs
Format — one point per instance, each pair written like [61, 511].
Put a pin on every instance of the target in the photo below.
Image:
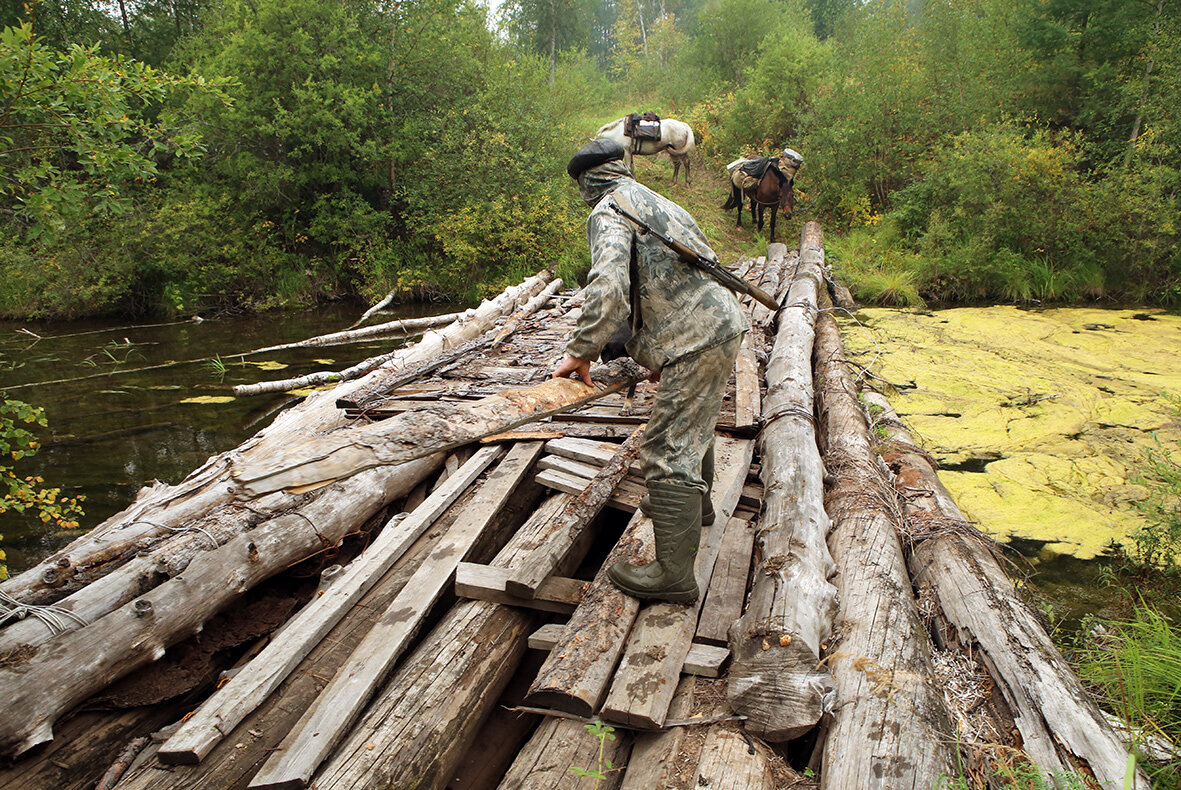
[676, 168]
[774, 211]
[627, 159]
[687, 171]
[738, 195]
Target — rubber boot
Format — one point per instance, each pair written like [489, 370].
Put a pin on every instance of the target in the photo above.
[707, 499]
[675, 511]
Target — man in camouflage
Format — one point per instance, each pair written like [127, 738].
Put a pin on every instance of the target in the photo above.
[686, 327]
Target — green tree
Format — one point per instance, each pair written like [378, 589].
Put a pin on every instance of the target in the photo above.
[551, 27]
[78, 130]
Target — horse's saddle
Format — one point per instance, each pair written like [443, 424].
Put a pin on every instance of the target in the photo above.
[642, 127]
[757, 168]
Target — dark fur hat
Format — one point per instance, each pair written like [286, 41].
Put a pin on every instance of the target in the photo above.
[595, 153]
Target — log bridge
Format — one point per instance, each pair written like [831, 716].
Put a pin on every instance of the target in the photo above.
[399, 584]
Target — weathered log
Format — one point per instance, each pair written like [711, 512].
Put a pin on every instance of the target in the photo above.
[473, 323]
[890, 728]
[405, 326]
[75, 665]
[327, 721]
[652, 763]
[746, 385]
[559, 745]
[574, 520]
[424, 720]
[643, 686]
[314, 460]
[733, 761]
[774, 680]
[575, 676]
[237, 758]
[1061, 727]
[160, 510]
[374, 309]
[556, 594]
[234, 701]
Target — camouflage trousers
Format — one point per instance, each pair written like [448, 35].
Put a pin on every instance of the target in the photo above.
[681, 426]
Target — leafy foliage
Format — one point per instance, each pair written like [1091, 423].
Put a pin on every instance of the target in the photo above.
[26, 494]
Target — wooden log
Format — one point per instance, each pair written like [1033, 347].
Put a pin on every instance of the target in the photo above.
[404, 326]
[1061, 727]
[727, 589]
[575, 676]
[160, 510]
[774, 680]
[646, 679]
[234, 701]
[327, 721]
[746, 385]
[574, 520]
[703, 660]
[773, 276]
[314, 460]
[424, 720]
[66, 671]
[374, 309]
[474, 323]
[626, 497]
[733, 761]
[437, 349]
[559, 745]
[890, 728]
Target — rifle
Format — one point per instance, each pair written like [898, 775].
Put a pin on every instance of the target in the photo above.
[710, 267]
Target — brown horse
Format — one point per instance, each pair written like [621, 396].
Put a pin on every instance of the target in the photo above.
[764, 184]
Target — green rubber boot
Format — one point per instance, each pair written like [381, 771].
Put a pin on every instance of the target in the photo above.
[707, 499]
[675, 511]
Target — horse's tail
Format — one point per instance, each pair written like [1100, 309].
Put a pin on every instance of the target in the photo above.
[735, 199]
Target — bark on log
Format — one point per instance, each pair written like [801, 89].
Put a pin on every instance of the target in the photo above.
[77, 664]
[890, 727]
[1061, 727]
[646, 679]
[559, 745]
[160, 510]
[314, 460]
[473, 323]
[424, 720]
[774, 680]
[234, 701]
[574, 520]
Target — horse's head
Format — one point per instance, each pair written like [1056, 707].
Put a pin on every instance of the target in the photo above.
[787, 198]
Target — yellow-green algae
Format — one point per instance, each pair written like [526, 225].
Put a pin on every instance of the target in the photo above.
[209, 399]
[1043, 416]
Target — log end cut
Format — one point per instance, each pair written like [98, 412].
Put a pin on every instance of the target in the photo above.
[778, 689]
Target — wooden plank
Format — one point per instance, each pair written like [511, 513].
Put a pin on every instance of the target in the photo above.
[704, 660]
[520, 436]
[746, 384]
[627, 500]
[654, 756]
[254, 683]
[487, 583]
[571, 525]
[326, 722]
[727, 589]
[559, 745]
[663, 632]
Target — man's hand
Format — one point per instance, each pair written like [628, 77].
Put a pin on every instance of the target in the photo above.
[569, 365]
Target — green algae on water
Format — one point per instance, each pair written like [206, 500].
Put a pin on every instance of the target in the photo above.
[1040, 419]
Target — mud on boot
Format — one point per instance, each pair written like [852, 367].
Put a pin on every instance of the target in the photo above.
[675, 511]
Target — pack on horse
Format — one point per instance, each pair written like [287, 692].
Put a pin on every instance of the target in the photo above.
[766, 181]
[648, 134]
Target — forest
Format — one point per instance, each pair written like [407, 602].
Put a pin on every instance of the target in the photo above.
[168, 157]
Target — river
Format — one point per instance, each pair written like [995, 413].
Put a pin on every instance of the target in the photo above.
[110, 435]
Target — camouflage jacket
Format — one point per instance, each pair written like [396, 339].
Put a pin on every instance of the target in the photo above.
[675, 309]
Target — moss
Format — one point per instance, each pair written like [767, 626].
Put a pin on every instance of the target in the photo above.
[1066, 401]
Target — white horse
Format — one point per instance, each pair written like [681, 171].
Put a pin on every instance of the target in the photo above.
[675, 137]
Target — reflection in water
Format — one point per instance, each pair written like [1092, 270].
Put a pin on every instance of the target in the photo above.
[109, 436]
